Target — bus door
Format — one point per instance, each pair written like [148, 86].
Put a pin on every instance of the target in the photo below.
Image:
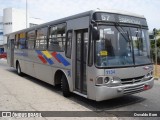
[10, 52]
[80, 63]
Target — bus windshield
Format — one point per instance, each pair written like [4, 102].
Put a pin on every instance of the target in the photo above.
[122, 46]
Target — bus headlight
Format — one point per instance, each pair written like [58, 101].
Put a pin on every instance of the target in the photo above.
[148, 76]
[102, 80]
[109, 81]
[99, 81]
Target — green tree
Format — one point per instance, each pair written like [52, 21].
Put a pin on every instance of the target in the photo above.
[152, 43]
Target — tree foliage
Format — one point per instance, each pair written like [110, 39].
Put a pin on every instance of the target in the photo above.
[152, 43]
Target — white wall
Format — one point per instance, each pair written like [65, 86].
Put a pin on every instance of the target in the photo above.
[1, 30]
[1, 19]
[18, 19]
[7, 18]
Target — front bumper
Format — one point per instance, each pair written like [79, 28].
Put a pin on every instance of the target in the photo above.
[105, 93]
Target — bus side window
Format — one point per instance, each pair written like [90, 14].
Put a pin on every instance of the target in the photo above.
[68, 44]
[26, 42]
[41, 39]
[31, 36]
[16, 42]
[22, 40]
[57, 38]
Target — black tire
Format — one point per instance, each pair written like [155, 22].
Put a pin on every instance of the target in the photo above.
[19, 70]
[65, 87]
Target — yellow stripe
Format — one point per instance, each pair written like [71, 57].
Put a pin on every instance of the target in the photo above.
[22, 35]
[47, 54]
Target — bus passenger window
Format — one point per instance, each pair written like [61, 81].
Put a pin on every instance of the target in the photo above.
[16, 43]
[41, 40]
[31, 36]
[57, 38]
[69, 44]
[22, 40]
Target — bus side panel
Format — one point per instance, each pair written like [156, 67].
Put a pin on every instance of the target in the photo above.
[43, 72]
[31, 65]
[28, 67]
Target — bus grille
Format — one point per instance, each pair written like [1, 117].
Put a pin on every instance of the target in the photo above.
[131, 80]
[133, 89]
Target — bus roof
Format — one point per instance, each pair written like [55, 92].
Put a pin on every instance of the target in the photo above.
[62, 20]
[120, 12]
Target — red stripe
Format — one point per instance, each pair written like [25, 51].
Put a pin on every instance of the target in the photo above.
[54, 55]
[42, 59]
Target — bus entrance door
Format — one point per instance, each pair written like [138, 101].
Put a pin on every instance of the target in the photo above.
[81, 56]
[10, 53]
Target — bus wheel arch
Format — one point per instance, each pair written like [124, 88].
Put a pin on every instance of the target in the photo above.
[57, 77]
[60, 78]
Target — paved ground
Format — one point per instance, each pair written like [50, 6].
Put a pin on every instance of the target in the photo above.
[29, 94]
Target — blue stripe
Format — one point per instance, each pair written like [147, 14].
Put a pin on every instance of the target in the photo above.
[63, 60]
[22, 39]
[48, 60]
[39, 52]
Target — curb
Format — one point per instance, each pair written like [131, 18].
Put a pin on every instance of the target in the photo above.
[156, 78]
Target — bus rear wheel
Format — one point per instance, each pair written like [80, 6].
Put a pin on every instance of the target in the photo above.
[65, 87]
[19, 70]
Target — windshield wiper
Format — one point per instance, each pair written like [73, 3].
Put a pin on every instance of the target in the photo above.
[122, 31]
[125, 36]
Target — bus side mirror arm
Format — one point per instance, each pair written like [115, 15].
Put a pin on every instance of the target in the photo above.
[95, 32]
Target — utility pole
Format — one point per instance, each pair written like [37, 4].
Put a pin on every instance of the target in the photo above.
[155, 33]
[26, 14]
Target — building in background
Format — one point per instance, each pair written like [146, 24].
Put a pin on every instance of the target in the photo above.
[1, 34]
[14, 20]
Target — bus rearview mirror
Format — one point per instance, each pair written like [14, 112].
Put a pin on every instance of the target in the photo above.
[95, 33]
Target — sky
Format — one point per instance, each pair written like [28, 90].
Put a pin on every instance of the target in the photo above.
[49, 10]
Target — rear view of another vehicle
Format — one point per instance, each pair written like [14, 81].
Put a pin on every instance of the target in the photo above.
[3, 55]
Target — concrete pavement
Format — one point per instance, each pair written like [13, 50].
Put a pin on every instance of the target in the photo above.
[29, 94]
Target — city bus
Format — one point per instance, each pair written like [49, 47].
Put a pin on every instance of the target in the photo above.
[96, 54]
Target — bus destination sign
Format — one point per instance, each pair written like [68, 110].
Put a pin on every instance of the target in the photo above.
[127, 19]
[109, 17]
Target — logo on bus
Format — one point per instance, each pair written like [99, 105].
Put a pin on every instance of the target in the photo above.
[47, 57]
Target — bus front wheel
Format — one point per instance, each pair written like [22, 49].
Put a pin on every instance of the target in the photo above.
[65, 87]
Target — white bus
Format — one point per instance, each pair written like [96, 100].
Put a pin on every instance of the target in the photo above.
[97, 54]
